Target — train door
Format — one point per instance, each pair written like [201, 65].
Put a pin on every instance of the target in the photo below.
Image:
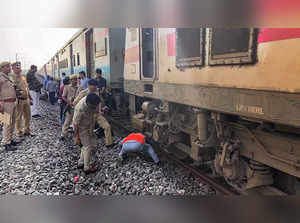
[71, 59]
[89, 52]
[148, 54]
[57, 70]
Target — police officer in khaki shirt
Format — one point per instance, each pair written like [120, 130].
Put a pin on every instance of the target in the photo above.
[92, 88]
[83, 123]
[8, 100]
[23, 101]
[69, 94]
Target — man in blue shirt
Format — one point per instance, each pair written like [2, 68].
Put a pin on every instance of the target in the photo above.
[83, 81]
[46, 81]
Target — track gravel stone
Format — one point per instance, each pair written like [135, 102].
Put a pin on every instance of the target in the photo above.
[43, 165]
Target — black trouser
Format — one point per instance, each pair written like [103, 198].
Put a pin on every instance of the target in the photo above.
[52, 98]
[62, 116]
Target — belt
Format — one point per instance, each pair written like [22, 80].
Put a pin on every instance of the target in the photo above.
[9, 100]
[22, 99]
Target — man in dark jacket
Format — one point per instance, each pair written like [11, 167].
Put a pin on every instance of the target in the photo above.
[35, 87]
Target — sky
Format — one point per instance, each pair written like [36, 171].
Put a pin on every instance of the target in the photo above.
[32, 45]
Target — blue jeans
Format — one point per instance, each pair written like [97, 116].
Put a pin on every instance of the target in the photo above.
[134, 146]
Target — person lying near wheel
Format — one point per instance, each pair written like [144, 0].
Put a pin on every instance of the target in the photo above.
[136, 142]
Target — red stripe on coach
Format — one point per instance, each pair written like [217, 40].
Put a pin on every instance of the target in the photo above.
[171, 39]
[273, 34]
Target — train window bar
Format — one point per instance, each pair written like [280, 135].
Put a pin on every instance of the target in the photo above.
[190, 47]
[232, 46]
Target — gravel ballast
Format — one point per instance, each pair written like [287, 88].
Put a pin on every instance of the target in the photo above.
[43, 165]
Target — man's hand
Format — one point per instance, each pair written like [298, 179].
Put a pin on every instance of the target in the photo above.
[1, 109]
[77, 140]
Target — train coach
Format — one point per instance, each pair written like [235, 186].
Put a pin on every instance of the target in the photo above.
[88, 50]
[226, 97]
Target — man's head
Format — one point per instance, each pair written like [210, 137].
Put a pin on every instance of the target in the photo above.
[63, 74]
[82, 75]
[16, 67]
[73, 79]
[92, 100]
[66, 81]
[98, 73]
[33, 68]
[92, 85]
[5, 67]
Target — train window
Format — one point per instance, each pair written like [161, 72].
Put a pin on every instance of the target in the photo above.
[74, 60]
[101, 47]
[189, 47]
[232, 46]
[133, 34]
[147, 53]
[78, 59]
[63, 64]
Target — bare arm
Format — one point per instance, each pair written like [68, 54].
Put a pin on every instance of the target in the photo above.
[76, 131]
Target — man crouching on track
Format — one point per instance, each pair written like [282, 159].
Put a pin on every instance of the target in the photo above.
[136, 142]
[83, 123]
[92, 88]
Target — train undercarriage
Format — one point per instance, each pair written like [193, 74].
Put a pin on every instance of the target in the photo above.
[248, 153]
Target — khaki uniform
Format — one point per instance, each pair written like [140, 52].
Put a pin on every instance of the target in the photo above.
[85, 119]
[99, 117]
[23, 105]
[27, 110]
[70, 94]
[8, 101]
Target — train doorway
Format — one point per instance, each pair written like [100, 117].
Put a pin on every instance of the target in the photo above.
[89, 53]
[71, 59]
[148, 53]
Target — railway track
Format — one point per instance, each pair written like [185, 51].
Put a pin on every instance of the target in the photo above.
[122, 123]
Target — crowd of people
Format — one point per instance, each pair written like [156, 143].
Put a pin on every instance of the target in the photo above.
[82, 108]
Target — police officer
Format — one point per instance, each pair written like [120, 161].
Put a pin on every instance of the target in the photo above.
[92, 88]
[23, 101]
[69, 94]
[83, 123]
[8, 100]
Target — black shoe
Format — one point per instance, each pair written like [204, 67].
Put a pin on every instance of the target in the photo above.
[80, 166]
[36, 116]
[91, 170]
[14, 143]
[9, 147]
[62, 138]
[159, 163]
[29, 135]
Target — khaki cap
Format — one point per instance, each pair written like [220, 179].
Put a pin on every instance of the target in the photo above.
[73, 76]
[16, 63]
[3, 64]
